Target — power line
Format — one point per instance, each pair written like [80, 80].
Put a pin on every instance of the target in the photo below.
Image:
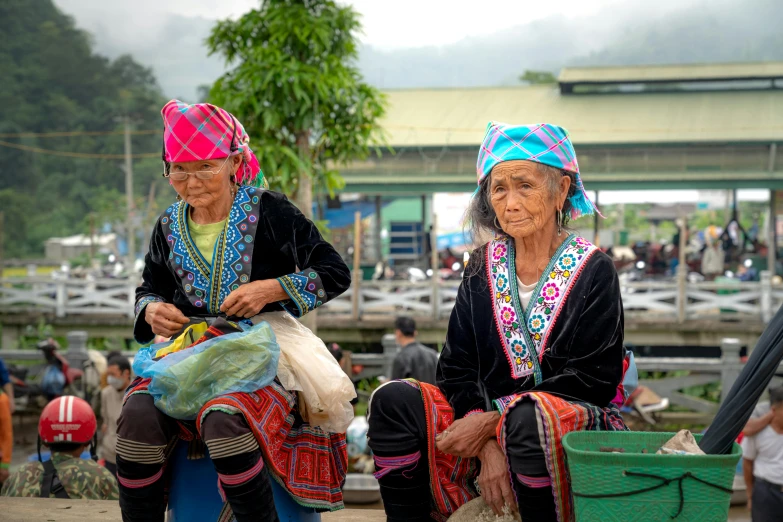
[59, 134]
[75, 154]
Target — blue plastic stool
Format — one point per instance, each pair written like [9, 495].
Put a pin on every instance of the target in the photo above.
[194, 493]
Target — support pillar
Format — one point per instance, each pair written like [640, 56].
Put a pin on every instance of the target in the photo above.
[378, 227]
[772, 243]
[731, 365]
[596, 224]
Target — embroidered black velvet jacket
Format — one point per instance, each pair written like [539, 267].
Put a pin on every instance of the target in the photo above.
[569, 340]
[265, 237]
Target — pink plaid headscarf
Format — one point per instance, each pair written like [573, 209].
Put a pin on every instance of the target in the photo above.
[204, 131]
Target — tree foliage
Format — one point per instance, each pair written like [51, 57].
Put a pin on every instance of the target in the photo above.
[538, 77]
[296, 88]
[52, 82]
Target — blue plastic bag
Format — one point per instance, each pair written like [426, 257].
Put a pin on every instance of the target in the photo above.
[182, 382]
[53, 381]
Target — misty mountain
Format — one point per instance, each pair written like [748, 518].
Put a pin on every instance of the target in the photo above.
[738, 31]
[667, 31]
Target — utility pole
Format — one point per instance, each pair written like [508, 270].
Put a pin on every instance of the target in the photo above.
[129, 230]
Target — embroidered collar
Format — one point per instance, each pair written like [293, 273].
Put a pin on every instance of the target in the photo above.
[524, 332]
[205, 284]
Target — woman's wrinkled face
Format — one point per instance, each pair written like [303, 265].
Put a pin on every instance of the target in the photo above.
[521, 197]
[204, 192]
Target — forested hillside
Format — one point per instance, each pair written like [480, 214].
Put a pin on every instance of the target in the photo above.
[53, 82]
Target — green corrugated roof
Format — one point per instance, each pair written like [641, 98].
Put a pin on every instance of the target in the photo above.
[672, 73]
[458, 117]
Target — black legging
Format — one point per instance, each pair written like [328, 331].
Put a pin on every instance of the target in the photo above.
[398, 428]
[144, 433]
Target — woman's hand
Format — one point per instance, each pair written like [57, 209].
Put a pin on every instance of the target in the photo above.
[494, 479]
[465, 437]
[249, 299]
[164, 318]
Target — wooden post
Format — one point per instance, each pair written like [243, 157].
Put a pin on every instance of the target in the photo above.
[682, 271]
[92, 240]
[766, 296]
[378, 228]
[357, 276]
[731, 365]
[61, 296]
[435, 268]
[2, 240]
[772, 243]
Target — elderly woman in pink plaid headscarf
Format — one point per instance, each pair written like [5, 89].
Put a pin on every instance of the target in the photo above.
[225, 251]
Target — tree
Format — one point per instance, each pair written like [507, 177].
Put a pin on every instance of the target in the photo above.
[538, 77]
[296, 88]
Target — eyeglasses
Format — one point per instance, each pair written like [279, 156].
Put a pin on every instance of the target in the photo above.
[205, 175]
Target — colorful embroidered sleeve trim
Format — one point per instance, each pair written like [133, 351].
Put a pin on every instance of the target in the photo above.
[305, 290]
[142, 303]
[473, 412]
[503, 403]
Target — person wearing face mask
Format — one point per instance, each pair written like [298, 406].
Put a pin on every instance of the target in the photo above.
[118, 377]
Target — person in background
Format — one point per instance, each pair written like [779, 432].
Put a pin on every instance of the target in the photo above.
[6, 384]
[763, 465]
[759, 419]
[415, 361]
[65, 475]
[119, 378]
[105, 375]
[6, 433]
[712, 260]
[6, 424]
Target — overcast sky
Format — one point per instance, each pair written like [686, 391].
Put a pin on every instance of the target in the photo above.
[401, 23]
[125, 26]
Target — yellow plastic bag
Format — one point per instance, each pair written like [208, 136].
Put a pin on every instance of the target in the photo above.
[307, 366]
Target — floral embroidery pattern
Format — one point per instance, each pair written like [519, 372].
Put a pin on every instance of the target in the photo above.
[524, 337]
[208, 285]
[544, 308]
[510, 326]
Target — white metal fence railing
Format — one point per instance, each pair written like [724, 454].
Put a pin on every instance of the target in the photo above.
[651, 300]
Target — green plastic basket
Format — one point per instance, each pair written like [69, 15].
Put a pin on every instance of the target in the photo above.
[638, 485]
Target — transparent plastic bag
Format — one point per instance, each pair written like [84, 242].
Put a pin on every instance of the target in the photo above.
[307, 366]
[183, 381]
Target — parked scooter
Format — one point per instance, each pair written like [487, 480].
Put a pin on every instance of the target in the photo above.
[35, 386]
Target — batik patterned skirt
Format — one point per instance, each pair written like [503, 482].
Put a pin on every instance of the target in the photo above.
[308, 462]
[451, 477]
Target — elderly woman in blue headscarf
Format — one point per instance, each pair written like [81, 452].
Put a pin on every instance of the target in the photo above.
[534, 349]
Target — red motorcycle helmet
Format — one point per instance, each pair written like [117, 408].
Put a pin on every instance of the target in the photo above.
[67, 419]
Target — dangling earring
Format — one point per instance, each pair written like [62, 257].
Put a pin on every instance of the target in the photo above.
[559, 222]
[497, 224]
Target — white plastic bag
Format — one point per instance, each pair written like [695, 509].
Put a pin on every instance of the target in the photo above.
[307, 366]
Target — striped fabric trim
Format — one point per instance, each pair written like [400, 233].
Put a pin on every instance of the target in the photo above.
[230, 446]
[241, 478]
[140, 483]
[140, 453]
[534, 482]
[385, 465]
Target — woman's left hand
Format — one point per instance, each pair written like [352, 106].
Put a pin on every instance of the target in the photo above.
[249, 299]
[465, 437]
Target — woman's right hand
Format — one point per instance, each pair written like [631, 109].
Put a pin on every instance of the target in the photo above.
[494, 479]
[164, 318]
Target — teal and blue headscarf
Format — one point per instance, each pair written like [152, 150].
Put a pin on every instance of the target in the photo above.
[539, 142]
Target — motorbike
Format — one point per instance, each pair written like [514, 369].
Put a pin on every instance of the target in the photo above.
[34, 386]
